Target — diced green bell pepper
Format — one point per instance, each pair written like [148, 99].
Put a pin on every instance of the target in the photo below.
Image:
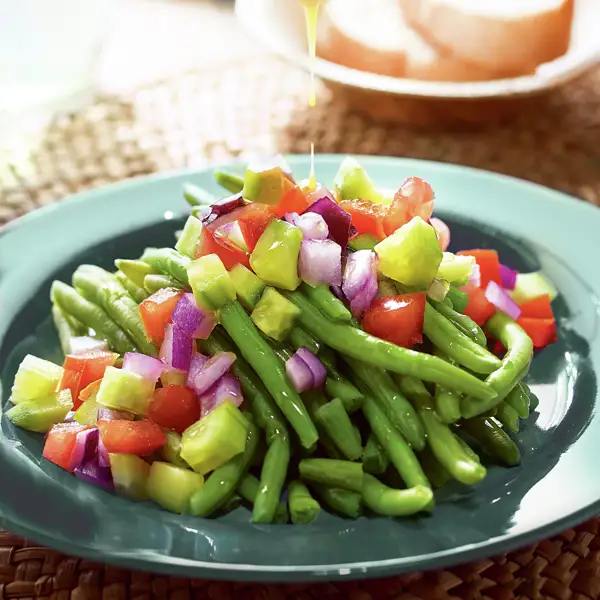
[35, 378]
[125, 390]
[247, 285]
[363, 241]
[172, 487]
[266, 184]
[352, 183]
[42, 413]
[214, 439]
[275, 256]
[456, 269]
[532, 285]
[275, 315]
[186, 244]
[210, 282]
[411, 255]
[171, 451]
[87, 413]
[130, 475]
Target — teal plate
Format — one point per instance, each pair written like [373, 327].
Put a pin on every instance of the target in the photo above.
[556, 486]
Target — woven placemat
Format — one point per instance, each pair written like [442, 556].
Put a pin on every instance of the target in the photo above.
[241, 110]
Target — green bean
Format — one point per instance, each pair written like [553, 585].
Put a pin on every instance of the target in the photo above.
[223, 481]
[68, 300]
[154, 283]
[344, 502]
[303, 508]
[514, 364]
[234, 501]
[171, 451]
[492, 439]
[398, 451]
[358, 344]
[326, 302]
[67, 328]
[336, 473]
[462, 322]
[508, 416]
[339, 387]
[458, 298]
[137, 293]
[229, 181]
[375, 460]
[447, 337]
[412, 388]
[299, 338]
[248, 489]
[272, 373]
[396, 407]
[272, 479]
[196, 196]
[448, 302]
[168, 262]
[136, 270]
[447, 404]
[433, 469]
[105, 290]
[518, 398]
[534, 401]
[394, 503]
[467, 449]
[334, 420]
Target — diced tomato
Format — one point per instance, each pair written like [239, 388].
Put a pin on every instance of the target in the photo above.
[489, 265]
[83, 369]
[397, 319]
[174, 407]
[537, 308]
[89, 390]
[294, 201]
[367, 216]
[541, 331]
[141, 438]
[229, 254]
[253, 220]
[478, 308]
[156, 312]
[60, 442]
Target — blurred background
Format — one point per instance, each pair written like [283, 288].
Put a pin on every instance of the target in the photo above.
[93, 91]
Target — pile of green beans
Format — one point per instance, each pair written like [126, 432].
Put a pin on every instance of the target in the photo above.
[385, 414]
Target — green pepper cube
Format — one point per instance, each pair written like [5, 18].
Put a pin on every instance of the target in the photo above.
[363, 241]
[130, 475]
[41, 414]
[532, 285]
[171, 451]
[87, 413]
[172, 487]
[210, 282]
[247, 285]
[275, 315]
[214, 439]
[352, 183]
[125, 390]
[275, 256]
[411, 255]
[36, 378]
[266, 184]
[186, 244]
[456, 269]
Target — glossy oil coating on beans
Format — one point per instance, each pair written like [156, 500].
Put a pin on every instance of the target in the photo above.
[326, 302]
[463, 323]
[394, 503]
[493, 440]
[336, 473]
[248, 490]
[358, 344]
[334, 420]
[272, 479]
[518, 398]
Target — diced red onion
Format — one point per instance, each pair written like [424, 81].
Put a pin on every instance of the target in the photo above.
[197, 362]
[84, 344]
[176, 350]
[474, 279]
[232, 234]
[316, 367]
[320, 261]
[443, 232]
[86, 446]
[93, 473]
[508, 277]
[501, 300]
[360, 280]
[226, 388]
[299, 373]
[438, 289]
[210, 372]
[338, 220]
[103, 460]
[417, 197]
[191, 319]
[112, 414]
[337, 290]
[148, 367]
[222, 207]
[312, 225]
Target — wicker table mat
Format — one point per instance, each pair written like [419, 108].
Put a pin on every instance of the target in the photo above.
[240, 110]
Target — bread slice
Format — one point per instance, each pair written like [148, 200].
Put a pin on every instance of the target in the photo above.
[511, 37]
[375, 37]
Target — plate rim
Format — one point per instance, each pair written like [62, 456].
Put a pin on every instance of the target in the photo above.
[272, 573]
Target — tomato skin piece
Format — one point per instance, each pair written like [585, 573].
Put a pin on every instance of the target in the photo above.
[141, 438]
[156, 312]
[229, 254]
[60, 442]
[537, 308]
[489, 265]
[414, 199]
[174, 407]
[541, 331]
[367, 217]
[479, 308]
[293, 201]
[397, 319]
[253, 220]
